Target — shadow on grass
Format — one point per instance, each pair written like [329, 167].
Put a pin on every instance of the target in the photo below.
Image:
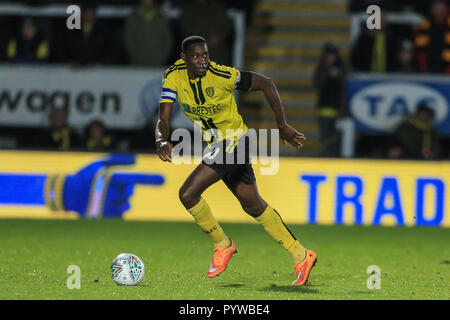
[145, 285]
[298, 289]
[232, 285]
[317, 285]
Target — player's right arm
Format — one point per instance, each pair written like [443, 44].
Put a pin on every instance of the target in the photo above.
[162, 131]
[166, 102]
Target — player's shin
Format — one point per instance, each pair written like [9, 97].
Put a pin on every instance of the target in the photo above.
[274, 225]
[205, 220]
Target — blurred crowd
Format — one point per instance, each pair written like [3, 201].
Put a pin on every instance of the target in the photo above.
[108, 41]
[114, 40]
[395, 48]
[405, 48]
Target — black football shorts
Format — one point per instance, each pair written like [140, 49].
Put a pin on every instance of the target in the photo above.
[233, 166]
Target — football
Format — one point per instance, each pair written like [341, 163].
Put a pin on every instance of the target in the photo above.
[127, 269]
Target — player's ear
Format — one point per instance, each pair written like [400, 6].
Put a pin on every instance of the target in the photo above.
[183, 56]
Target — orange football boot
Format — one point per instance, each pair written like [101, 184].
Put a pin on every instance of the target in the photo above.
[221, 258]
[303, 268]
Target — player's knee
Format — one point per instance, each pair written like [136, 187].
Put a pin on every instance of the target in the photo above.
[187, 196]
[250, 208]
[183, 195]
[253, 207]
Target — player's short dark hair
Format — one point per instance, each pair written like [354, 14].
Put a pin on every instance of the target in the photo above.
[189, 41]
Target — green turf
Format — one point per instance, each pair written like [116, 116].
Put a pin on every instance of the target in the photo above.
[414, 262]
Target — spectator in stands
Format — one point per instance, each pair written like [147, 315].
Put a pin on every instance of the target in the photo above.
[375, 50]
[59, 136]
[93, 44]
[96, 138]
[6, 32]
[329, 80]
[29, 46]
[415, 137]
[209, 19]
[432, 40]
[405, 58]
[148, 36]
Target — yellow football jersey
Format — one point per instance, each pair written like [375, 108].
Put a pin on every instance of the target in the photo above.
[209, 100]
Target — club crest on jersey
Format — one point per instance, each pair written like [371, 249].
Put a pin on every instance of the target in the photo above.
[210, 91]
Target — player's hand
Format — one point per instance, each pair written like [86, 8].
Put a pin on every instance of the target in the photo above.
[289, 134]
[164, 150]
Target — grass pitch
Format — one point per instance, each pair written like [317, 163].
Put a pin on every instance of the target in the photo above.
[35, 254]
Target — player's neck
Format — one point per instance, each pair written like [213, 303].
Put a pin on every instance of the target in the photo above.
[192, 75]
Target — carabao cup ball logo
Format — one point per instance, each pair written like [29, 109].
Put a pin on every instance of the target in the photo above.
[116, 270]
[382, 106]
[136, 268]
[127, 269]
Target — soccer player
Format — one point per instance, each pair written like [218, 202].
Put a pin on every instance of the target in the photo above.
[204, 90]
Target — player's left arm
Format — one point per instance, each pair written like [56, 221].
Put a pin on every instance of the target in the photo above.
[267, 86]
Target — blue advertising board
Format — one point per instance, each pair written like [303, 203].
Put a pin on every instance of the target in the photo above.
[379, 103]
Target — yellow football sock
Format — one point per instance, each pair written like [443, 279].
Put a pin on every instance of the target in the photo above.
[274, 225]
[205, 220]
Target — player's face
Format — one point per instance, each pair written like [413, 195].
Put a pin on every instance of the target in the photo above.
[197, 59]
